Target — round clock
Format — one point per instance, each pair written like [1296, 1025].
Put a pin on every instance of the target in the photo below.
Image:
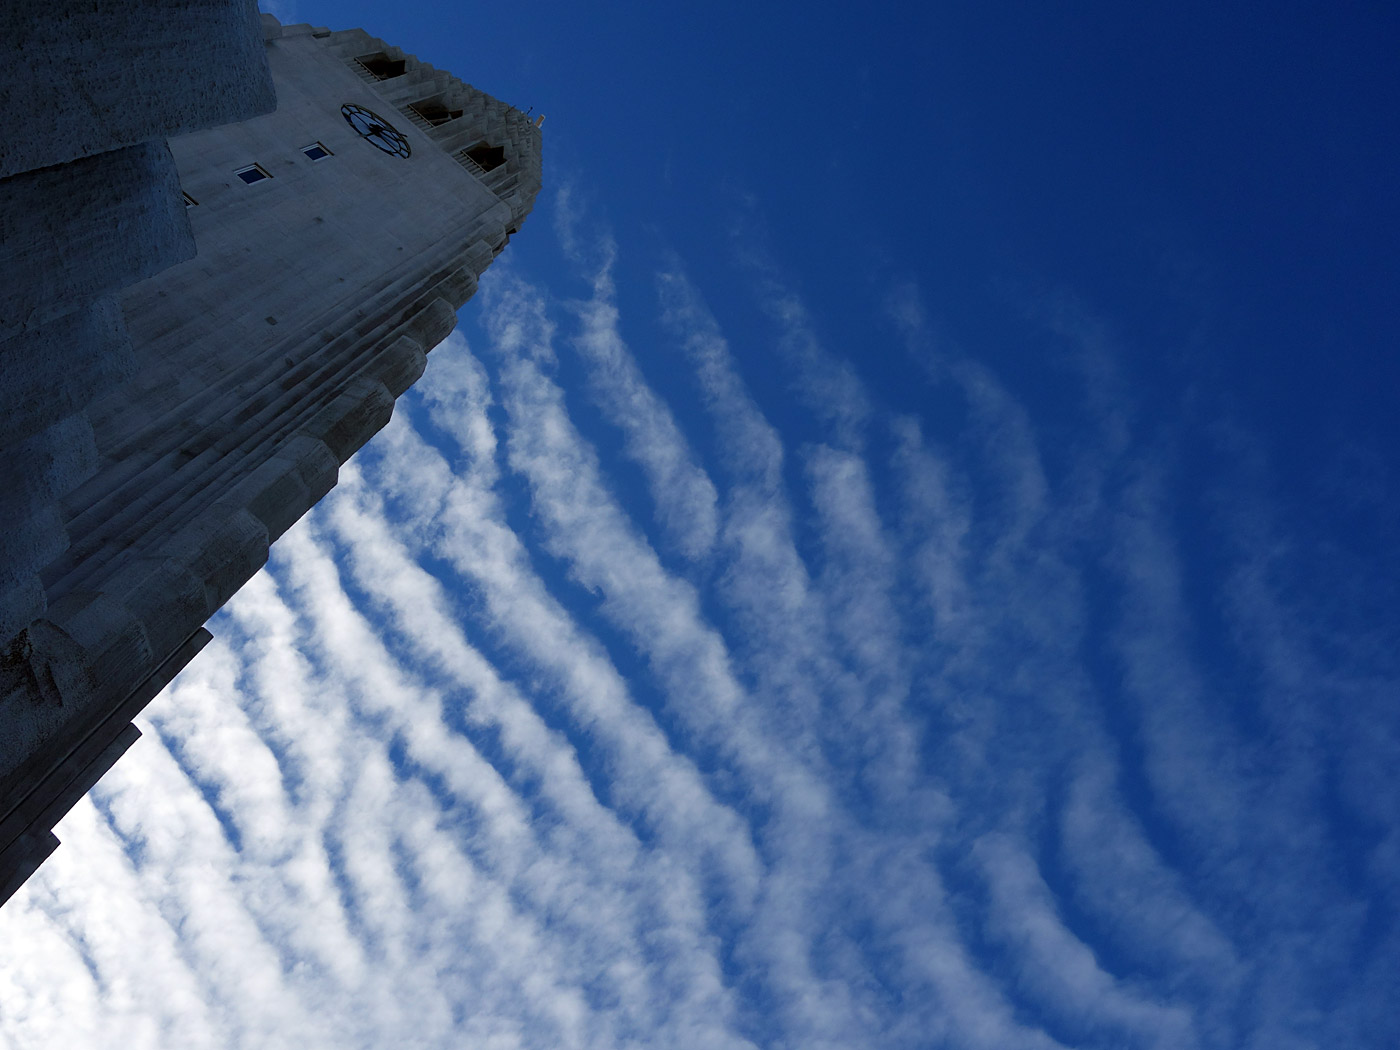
[376, 130]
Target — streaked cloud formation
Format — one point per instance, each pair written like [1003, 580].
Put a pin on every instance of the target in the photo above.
[583, 714]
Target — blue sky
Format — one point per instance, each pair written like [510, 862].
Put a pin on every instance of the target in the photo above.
[898, 553]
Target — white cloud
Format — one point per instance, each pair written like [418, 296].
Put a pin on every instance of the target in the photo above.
[1058, 969]
[903, 737]
[682, 493]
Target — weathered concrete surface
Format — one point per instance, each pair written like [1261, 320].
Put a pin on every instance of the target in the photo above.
[34, 472]
[71, 237]
[76, 231]
[86, 78]
[55, 369]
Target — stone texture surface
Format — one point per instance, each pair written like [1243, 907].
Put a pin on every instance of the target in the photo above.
[85, 78]
[76, 231]
[257, 367]
[32, 474]
[55, 369]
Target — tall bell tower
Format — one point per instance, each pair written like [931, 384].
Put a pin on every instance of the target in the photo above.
[335, 238]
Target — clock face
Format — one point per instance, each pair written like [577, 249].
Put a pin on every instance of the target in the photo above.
[376, 130]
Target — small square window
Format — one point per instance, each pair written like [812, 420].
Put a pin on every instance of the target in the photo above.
[316, 151]
[190, 202]
[253, 173]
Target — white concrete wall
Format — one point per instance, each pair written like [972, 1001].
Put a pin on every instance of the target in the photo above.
[313, 245]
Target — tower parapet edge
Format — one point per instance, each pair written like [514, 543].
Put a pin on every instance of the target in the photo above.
[463, 121]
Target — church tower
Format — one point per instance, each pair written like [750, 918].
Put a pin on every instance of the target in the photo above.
[336, 237]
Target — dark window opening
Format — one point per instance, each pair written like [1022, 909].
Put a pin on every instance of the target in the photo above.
[190, 202]
[382, 66]
[316, 151]
[434, 112]
[253, 173]
[487, 156]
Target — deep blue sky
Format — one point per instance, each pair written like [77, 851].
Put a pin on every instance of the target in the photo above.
[1215, 180]
[898, 553]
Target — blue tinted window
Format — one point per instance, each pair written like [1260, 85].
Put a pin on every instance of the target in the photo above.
[252, 174]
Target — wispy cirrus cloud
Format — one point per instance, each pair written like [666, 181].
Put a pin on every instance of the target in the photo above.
[683, 494]
[905, 736]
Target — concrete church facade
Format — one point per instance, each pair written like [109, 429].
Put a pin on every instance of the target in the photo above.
[336, 237]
